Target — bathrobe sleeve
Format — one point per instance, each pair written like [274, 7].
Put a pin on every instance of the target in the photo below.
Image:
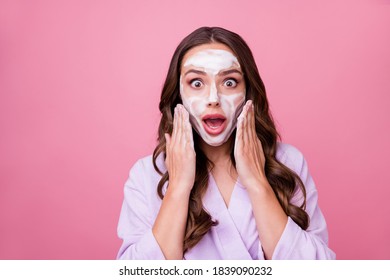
[296, 243]
[136, 218]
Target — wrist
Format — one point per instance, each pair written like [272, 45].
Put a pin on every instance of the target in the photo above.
[259, 186]
[180, 190]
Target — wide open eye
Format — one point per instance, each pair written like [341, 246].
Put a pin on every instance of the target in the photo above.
[231, 83]
[196, 83]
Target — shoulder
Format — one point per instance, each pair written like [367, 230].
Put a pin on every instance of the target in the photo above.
[290, 156]
[294, 159]
[140, 189]
[288, 152]
[145, 165]
[143, 176]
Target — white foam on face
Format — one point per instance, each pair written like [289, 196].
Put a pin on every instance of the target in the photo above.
[212, 61]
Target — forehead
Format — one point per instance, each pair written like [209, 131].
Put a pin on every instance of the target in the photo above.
[204, 53]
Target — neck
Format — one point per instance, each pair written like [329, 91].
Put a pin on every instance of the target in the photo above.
[219, 155]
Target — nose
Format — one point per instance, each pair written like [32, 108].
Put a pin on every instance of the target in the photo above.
[213, 100]
[213, 104]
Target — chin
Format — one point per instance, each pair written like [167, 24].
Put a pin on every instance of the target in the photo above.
[215, 143]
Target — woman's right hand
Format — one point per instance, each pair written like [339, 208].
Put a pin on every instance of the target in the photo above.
[180, 162]
[180, 154]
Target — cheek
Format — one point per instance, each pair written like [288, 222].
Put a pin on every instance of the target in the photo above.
[198, 107]
[239, 100]
[195, 106]
[233, 103]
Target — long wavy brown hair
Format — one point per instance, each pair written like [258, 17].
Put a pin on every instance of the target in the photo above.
[282, 179]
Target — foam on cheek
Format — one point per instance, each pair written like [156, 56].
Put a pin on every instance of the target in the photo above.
[232, 106]
[189, 102]
[193, 105]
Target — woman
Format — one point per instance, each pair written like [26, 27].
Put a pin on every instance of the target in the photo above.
[219, 185]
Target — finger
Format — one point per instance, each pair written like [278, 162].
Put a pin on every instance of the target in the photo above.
[167, 148]
[238, 142]
[180, 126]
[188, 128]
[174, 132]
[253, 136]
[242, 125]
[245, 132]
[240, 131]
[250, 120]
[252, 124]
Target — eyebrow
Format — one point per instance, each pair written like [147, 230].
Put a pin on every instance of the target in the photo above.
[228, 72]
[223, 73]
[196, 72]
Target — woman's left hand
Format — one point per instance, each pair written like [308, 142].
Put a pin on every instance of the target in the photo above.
[248, 151]
[250, 161]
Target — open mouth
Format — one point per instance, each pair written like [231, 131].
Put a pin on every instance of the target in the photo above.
[214, 124]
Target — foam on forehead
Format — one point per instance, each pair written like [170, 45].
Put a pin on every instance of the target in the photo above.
[212, 60]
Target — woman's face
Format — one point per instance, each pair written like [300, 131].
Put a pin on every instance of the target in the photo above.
[212, 88]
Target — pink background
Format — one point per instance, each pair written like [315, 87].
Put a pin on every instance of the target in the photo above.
[80, 83]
